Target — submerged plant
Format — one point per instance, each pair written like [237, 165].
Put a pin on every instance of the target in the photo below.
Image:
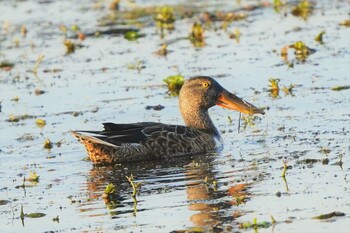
[197, 35]
[174, 84]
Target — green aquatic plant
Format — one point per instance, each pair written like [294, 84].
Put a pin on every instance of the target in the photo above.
[163, 50]
[48, 144]
[285, 168]
[277, 5]
[329, 215]
[70, 46]
[40, 123]
[255, 225]
[197, 35]
[37, 63]
[132, 35]
[33, 177]
[301, 51]
[137, 65]
[303, 9]
[174, 84]
[164, 19]
[110, 189]
[274, 88]
[288, 90]
[340, 88]
[135, 186]
[319, 37]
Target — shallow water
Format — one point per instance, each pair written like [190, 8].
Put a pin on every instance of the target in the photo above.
[309, 130]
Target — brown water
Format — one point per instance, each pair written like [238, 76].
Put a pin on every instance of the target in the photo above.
[308, 129]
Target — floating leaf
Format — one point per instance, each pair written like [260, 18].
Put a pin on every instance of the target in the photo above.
[40, 123]
[132, 35]
[329, 215]
[34, 215]
[340, 88]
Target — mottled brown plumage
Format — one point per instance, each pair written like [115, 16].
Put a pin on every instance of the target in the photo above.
[149, 140]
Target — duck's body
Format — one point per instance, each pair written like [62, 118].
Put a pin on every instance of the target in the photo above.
[149, 140]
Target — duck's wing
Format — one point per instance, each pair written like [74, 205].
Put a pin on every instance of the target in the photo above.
[118, 134]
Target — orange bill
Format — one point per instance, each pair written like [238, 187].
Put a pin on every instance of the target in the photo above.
[233, 102]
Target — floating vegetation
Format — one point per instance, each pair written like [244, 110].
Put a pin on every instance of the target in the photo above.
[303, 9]
[163, 50]
[56, 219]
[31, 215]
[345, 23]
[285, 168]
[132, 35]
[274, 88]
[14, 118]
[164, 19]
[37, 63]
[174, 84]
[197, 35]
[301, 51]
[114, 5]
[235, 35]
[40, 123]
[48, 144]
[329, 215]
[135, 186]
[288, 90]
[319, 37]
[138, 65]
[248, 120]
[230, 17]
[240, 199]
[15, 99]
[6, 65]
[255, 225]
[340, 88]
[33, 177]
[108, 192]
[24, 30]
[277, 5]
[70, 46]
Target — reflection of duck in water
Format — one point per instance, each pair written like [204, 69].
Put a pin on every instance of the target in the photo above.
[149, 140]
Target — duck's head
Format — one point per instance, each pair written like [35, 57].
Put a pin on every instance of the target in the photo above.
[203, 92]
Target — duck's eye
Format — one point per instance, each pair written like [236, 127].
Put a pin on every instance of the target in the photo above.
[206, 84]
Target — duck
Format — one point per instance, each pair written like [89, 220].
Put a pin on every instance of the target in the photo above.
[132, 142]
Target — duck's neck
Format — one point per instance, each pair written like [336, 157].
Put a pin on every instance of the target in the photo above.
[199, 119]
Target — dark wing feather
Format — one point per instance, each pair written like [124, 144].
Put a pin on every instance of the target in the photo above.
[118, 134]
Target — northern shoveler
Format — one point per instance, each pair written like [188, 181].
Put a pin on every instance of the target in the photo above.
[150, 140]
